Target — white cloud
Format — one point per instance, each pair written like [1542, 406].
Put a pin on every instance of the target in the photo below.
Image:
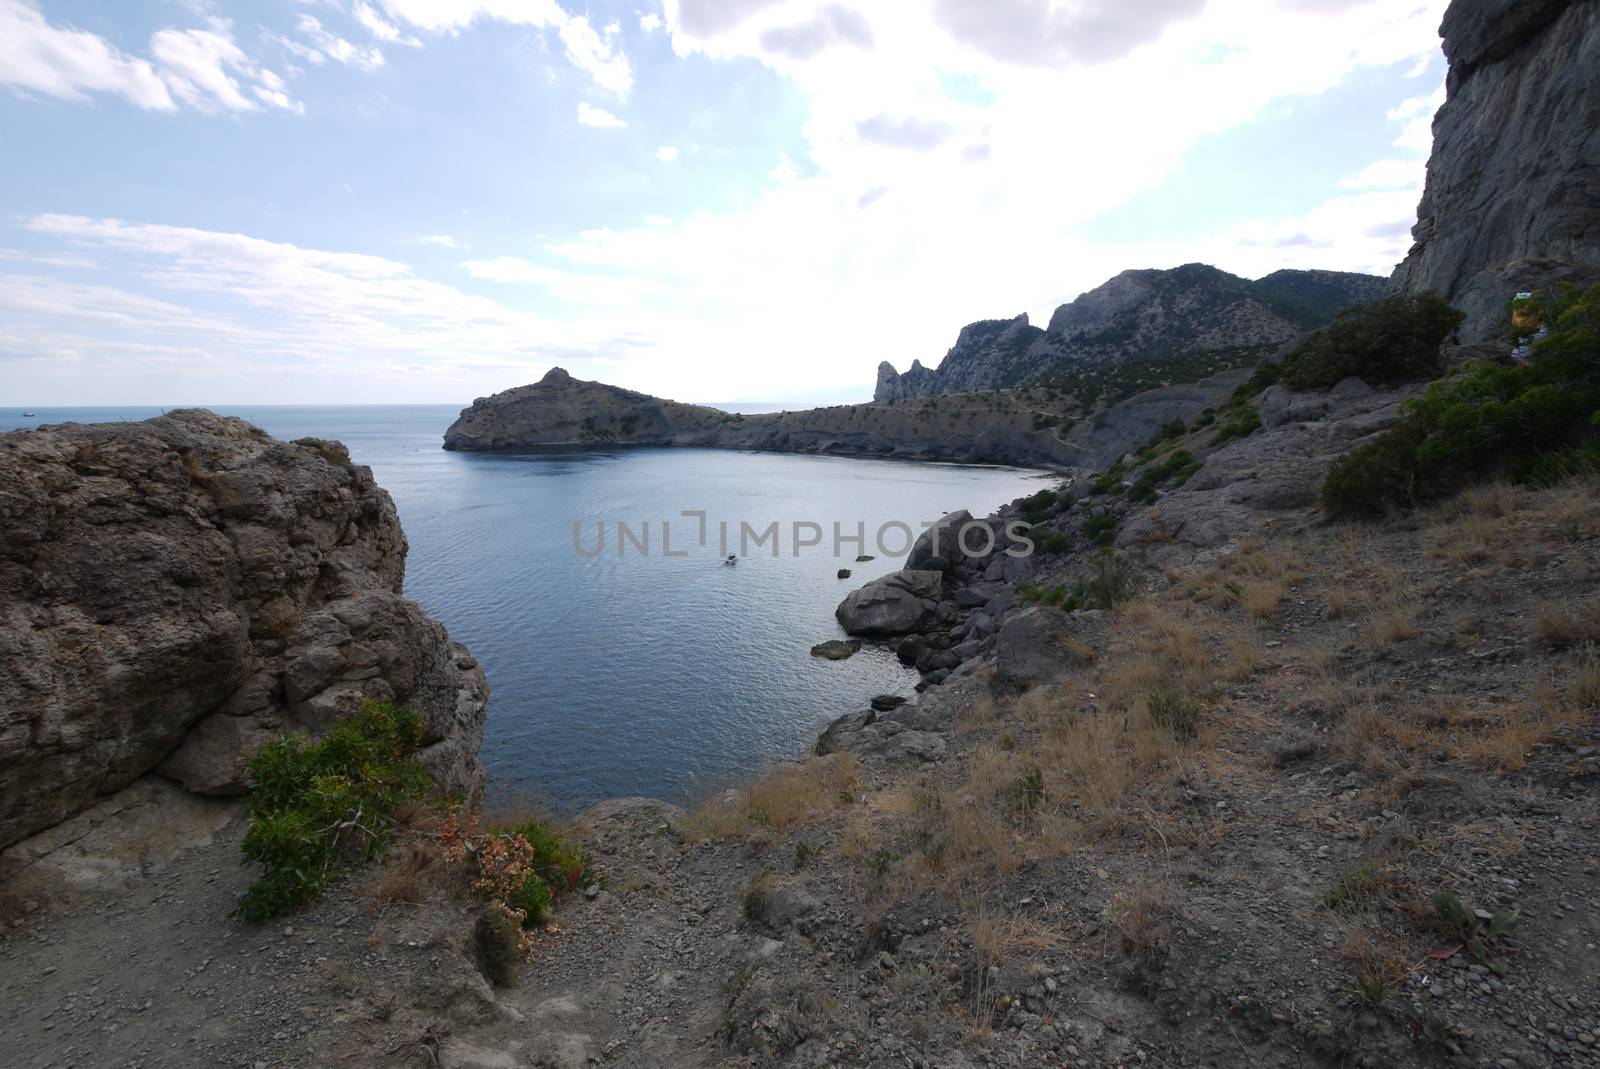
[71, 64]
[261, 304]
[597, 53]
[203, 68]
[650, 22]
[367, 58]
[444, 240]
[381, 28]
[667, 153]
[589, 115]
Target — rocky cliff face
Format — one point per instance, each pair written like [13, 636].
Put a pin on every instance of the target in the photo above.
[562, 410]
[1188, 322]
[1031, 427]
[1513, 194]
[174, 593]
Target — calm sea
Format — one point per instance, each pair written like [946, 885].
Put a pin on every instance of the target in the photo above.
[638, 674]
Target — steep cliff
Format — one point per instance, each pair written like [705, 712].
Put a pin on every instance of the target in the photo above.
[175, 592]
[1513, 192]
[1139, 330]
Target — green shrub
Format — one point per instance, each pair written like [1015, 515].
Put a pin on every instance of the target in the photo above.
[534, 899]
[1175, 711]
[1530, 423]
[562, 866]
[1052, 541]
[1267, 374]
[1101, 529]
[499, 947]
[1175, 429]
[1027, 791]
[1241, 423]
[1114, 581]
[1391, 341]
[313, 805]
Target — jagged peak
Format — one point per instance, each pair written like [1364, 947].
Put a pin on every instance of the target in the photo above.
[556, 375]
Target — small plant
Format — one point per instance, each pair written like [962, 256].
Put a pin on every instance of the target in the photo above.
[1027, 791]
[802, 853]
[1101, 529]
[1435, 1029]
[1175, 711]
[499, 946]
[1113, 582]
[755, 894]
[1352, 890]
[315, 805]
[881, 862]
[1479, 936]
[1052, 541]
[1242, 423]
[1370, 990]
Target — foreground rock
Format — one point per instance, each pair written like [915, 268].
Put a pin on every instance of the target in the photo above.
[176, 592]
[897, 604]
[1513, 195]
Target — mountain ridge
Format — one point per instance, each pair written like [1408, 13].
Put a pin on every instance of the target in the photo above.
[1204, 318]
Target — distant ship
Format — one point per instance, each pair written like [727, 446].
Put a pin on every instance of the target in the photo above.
[27, 415]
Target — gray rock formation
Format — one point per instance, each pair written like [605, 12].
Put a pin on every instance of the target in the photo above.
[1192, 320]
[897, 604]
[1276, 470]
[939, 548]
[1099, 442]
[1014, 427]
[1513, 193]
[175, 592]
[1036, 646]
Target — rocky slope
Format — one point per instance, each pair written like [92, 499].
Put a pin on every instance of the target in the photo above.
[175, 592]
[1175, 325]
[1513, 193]
[1039, 427]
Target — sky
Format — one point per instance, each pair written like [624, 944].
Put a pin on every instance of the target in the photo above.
[351, 201]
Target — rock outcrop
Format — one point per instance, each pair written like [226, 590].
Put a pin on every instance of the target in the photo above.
[1031, 427]
[1513, 192]
[1186, 322]
[1015, 427]
[175, 592]
[562, 410]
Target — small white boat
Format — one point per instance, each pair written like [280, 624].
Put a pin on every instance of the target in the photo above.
[27, 415]
[733, 559]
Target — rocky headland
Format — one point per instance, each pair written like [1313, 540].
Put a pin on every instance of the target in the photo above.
[176, 592]
[1035, 427]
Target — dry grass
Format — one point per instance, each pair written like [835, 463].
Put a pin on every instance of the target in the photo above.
[1261, 598]
[1394, 622]
[1583, 682]
[1337, 603]
[1504, 739]
[1145, 917]
[785, 796]
[1564, 626]
[411, 875]
[996, 935]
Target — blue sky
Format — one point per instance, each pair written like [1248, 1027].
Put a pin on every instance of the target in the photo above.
[429, 200]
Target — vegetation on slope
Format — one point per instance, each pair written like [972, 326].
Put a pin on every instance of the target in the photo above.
[1530, 423]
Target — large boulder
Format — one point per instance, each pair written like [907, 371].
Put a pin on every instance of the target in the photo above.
[1036, 646]
[897, 604]
[175, 592]
[939, 548]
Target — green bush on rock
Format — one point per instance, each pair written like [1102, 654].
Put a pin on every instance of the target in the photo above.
[315, 804]
[1531, 423]
[1392, 341]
